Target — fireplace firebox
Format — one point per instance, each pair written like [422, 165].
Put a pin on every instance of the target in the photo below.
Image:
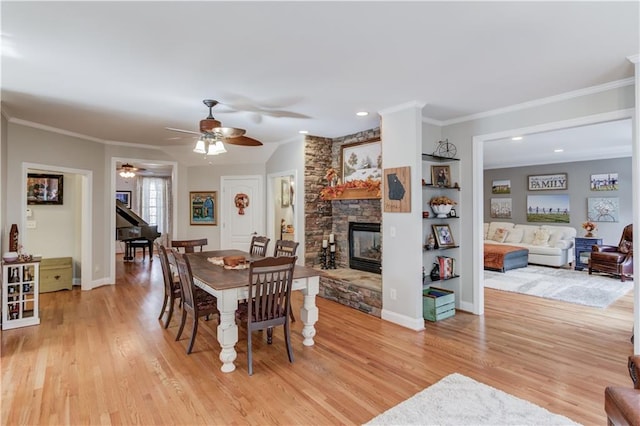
[365, 247]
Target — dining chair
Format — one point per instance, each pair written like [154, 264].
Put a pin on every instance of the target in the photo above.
[270, 295]
[259, 245]
[194, 300]
[188, 246]
[286, 248]
[172, 289]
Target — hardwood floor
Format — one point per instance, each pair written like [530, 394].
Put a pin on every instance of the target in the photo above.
[102, 357]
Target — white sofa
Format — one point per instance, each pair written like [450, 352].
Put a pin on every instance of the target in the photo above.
[550, 245]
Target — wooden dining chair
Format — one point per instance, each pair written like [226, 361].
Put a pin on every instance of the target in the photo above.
[172, 290]
[259, 245]
[270, 290]
[286, 248]
[196, 301]
[188, 246]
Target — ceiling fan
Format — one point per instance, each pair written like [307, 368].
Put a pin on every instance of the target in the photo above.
[213, 133]
[128, 171]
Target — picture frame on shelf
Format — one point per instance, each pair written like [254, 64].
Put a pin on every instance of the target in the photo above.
[43, 188]
[452, 213]
[444, 237]
[547, 182]
[125, 197]
[441, 176]
[361, 160]
[203, 208]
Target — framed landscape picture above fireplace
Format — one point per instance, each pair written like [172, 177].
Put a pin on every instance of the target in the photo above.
[361, 160]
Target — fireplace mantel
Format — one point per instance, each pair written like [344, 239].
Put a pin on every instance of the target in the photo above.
[356, 194]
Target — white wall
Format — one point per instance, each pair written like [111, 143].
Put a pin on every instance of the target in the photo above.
[401, 134]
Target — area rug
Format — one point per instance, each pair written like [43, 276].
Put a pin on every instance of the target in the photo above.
[560, 284]
[460, 400]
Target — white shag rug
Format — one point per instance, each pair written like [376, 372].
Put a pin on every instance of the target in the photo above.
[460, 400]
[560, 284]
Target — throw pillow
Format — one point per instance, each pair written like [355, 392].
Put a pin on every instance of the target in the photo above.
[540, 237]
[625, 246]
[514, 236]
[500, 235]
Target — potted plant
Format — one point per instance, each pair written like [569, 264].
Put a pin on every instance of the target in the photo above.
[441, 205]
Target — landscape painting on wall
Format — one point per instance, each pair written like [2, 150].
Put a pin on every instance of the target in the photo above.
[361, 161]
[548, 208]
[501, 187]
[501, 208]
[603, 209]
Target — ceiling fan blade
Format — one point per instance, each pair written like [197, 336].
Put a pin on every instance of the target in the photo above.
[182, 131]
[243, 141]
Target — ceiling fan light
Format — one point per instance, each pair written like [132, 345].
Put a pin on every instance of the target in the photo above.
[216, 148]
[200, 147]
[127, 174]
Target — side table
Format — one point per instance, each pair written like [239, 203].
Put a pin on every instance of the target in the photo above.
[583, 251]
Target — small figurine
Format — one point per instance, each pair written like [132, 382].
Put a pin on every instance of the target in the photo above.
[431, 242]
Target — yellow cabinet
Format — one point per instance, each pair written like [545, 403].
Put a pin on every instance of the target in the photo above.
[56, 274]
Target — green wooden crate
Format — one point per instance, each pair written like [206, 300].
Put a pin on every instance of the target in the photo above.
[438, 304]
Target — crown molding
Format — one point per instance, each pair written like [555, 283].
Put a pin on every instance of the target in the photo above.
[402, 107]
[52, 129]
[544, 101]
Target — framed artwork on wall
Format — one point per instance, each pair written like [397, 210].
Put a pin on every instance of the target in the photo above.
[604, 182]
[361, 160]
[285, 192]
[397, 193]
[44, 188]
[548, 208]
[603, 209]
[547, 182]
[125, 197]
[501, 186]
[501, 208]
[203, 208]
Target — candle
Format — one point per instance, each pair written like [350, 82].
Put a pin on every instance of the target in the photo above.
[331, 238]
[324, 243]
[333, 247]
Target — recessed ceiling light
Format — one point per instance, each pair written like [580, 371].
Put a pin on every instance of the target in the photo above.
[558, 150]
[303, 132]
[516, 138]
[362, 113]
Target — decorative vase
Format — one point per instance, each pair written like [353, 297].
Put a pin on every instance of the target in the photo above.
[441, 210]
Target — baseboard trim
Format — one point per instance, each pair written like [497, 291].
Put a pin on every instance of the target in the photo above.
[416, 324]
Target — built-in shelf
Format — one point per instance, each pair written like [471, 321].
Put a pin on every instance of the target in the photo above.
[439, 248]
[429, 186]
[431, 157]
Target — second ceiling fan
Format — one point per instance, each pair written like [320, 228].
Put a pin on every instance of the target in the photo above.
[213, 133]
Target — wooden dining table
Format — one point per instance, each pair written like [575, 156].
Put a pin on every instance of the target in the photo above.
[231, 285]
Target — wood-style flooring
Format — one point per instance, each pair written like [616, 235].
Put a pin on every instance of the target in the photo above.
[102, 357]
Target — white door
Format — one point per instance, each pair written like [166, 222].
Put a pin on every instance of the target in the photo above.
[239, 224]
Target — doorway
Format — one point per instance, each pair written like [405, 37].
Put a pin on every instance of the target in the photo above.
[242, 212]
[478, 186]
[282, 223]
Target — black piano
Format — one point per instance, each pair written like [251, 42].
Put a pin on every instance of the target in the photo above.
[134, 231]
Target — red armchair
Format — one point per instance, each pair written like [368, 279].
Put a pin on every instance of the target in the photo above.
[622, 405]
[616, 260]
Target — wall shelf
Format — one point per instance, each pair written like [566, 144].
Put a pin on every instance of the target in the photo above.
[355, 194]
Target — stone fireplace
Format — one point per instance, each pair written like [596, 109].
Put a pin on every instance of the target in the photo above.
[365, 247]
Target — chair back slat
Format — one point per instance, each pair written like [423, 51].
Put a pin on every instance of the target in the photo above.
[259, 245]
[186, 280]
[270, 287]
[188, 246]
[167, 274]
[285, 248]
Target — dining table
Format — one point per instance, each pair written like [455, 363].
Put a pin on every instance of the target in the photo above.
[230, 285]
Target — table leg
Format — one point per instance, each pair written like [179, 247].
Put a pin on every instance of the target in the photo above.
[309, 310]
[228, 330]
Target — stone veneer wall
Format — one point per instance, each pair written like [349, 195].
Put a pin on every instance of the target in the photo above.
[325, 217]
[320, 218]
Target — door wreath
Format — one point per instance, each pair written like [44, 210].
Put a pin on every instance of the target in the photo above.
[242, 202]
